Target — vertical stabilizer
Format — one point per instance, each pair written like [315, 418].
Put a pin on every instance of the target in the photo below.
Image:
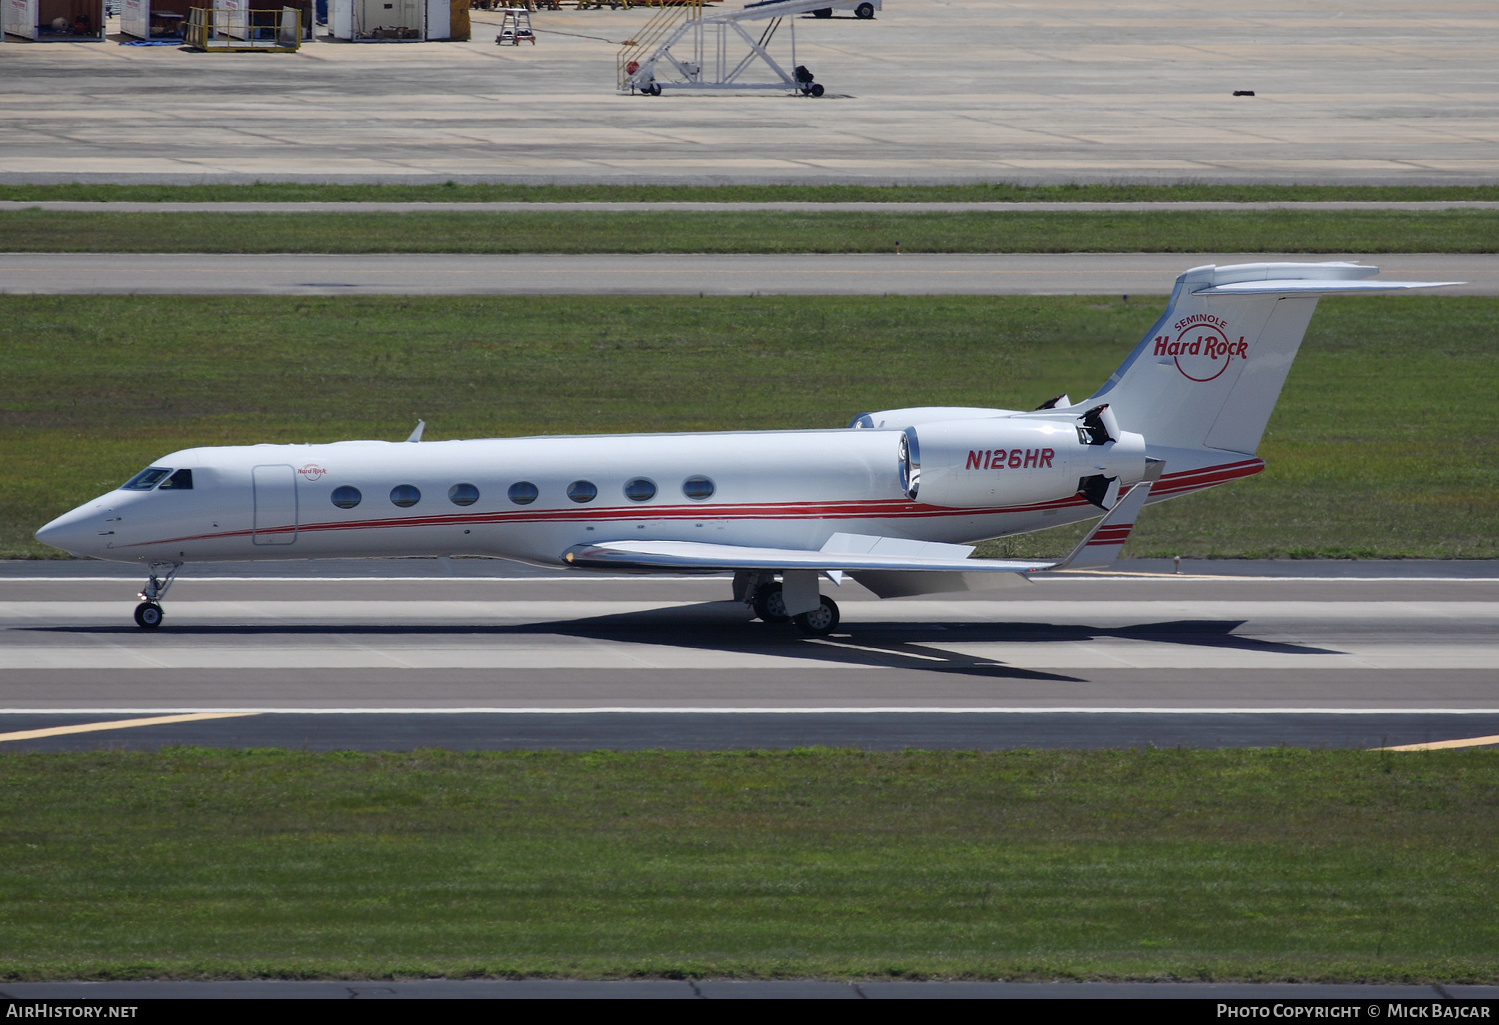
[1208, 374]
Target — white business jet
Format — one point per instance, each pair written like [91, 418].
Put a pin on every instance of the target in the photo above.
[894, 500]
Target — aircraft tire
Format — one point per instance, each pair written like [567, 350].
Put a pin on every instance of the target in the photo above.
[817, 89]
[770, 606]
[818, 622]
[864, 11]
[148, 615]
[822, 12]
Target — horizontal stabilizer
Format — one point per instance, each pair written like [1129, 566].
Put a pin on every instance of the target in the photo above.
[1299, 287]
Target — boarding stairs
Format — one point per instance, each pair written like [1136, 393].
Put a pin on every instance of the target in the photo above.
[686, 47]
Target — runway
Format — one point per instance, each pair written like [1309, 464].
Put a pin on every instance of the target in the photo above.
[583, 662]
[811, 274]
[918, 208]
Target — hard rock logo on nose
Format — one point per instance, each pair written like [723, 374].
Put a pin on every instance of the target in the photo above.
[1202, 351]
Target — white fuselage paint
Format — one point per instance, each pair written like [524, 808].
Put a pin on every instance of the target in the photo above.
[788, 489]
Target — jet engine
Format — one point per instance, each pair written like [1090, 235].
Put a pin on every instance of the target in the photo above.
[1003, 461]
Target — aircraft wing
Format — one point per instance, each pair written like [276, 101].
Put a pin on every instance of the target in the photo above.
[867, 557]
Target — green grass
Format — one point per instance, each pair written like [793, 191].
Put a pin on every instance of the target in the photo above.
[1204, 865]
[1368, 231]
[1383, 443]
[996, 192]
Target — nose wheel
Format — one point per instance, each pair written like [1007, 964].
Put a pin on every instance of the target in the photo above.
[148, 613]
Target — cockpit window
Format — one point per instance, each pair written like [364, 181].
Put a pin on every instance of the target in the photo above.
[146, 479]
[182, 480]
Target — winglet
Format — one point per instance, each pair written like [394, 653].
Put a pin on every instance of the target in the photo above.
[1103, 543]
[416, 435]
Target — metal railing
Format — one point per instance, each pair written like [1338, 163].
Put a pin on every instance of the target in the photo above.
[235, 29]
[644, 42]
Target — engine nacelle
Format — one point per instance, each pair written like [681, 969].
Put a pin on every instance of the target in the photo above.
[915, 416]
[970, 464]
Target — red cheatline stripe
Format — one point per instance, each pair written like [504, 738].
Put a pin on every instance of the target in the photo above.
[896, 508]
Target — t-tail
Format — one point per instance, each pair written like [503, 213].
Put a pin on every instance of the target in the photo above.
[1208, 374]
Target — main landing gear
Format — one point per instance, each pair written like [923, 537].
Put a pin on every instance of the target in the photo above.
[766, 598]
[148, 613]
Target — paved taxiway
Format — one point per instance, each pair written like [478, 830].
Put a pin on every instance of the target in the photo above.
[811, 274]
[585, 661]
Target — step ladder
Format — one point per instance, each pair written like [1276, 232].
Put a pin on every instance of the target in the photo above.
[515, 27]
[684, 47]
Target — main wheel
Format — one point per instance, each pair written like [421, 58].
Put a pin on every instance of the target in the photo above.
[817, 89]
[820, 621]
[654, 88]
[148, 615]
[865, 11]
[770, 604]
[823, 12]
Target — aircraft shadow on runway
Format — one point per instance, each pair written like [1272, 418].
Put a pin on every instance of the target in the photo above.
[727, 627]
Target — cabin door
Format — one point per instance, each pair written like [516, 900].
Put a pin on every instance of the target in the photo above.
[275, 505]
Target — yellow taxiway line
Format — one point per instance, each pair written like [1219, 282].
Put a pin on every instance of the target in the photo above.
[1441, 745]
[118, 724]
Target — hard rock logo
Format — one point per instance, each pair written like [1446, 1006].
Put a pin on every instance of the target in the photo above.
[1203, 347]
[312, 471]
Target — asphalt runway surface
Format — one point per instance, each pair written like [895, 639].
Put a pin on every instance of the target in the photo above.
[513, 661]
[612, 274]
[934, 91]
[725, 989]
[356, 207]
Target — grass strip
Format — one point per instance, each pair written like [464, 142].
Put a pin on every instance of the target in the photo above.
[994, 192]
[1382, 445]
[1262, 865]
[1290, 231]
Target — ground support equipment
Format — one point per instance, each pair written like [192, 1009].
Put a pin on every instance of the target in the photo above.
[515, 27]
[685, 47]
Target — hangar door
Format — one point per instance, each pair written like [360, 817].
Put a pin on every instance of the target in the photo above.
[275, 505]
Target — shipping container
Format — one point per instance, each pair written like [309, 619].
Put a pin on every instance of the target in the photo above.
[68, 21]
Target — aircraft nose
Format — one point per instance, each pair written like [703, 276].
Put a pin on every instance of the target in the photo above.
[71, 532]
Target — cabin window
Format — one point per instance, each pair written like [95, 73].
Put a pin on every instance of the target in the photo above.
[463, 494]
[182, 480]
[346, 497]
[522, 492]
[146, 479]
[405, 495]
[698, 488]
[640, 490]
[582, 491]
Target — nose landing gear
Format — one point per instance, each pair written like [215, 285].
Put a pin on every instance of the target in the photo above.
[148, 613]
